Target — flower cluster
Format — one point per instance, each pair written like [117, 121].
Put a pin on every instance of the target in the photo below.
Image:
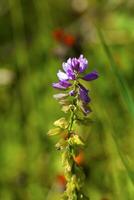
[69, 80]
[74, 99]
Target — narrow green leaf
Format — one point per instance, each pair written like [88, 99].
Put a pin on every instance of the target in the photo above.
[124, 90]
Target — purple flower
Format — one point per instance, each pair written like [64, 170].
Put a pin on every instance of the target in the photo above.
[62, 85]
[91, 76]
[69, 79]
[83, 94]
[75, 66]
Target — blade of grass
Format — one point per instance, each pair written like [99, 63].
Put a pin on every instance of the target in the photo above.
[104, 117]
[124, 90]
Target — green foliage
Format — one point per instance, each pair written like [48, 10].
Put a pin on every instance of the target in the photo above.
[28, 161]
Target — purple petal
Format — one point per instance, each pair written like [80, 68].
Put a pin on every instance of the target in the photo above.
[58, 86]
[65, 84]
[68, 69]
[67, 65]
[62, 85]
[83, 63]
[83, 94]
[71, 74]
[91, 76]
[75, 64]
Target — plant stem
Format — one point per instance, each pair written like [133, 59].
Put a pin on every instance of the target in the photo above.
[72, 111]
[71, 123]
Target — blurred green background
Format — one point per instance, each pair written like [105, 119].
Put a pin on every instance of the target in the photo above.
[31, 51]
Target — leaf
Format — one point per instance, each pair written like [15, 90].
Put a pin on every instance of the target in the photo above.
[124, 92]
[76, 140]
[54, 131]
[62, 123]
[123, 86]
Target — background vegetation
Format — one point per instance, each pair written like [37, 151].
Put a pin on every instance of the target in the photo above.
[30, 55]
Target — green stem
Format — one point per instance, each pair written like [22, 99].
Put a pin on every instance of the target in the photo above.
[72, 111]
[71, 123]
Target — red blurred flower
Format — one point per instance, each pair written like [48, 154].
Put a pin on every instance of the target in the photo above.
[65, 38]
[58, 34]
[69, 40]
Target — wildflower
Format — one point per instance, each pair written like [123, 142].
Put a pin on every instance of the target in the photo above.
[70, 76]
[75, 99]
[72, 68]
[75, 66]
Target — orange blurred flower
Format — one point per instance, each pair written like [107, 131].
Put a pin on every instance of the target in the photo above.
[80, 159]
[61, 180]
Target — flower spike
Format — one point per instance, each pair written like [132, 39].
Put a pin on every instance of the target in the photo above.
[75, 100]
